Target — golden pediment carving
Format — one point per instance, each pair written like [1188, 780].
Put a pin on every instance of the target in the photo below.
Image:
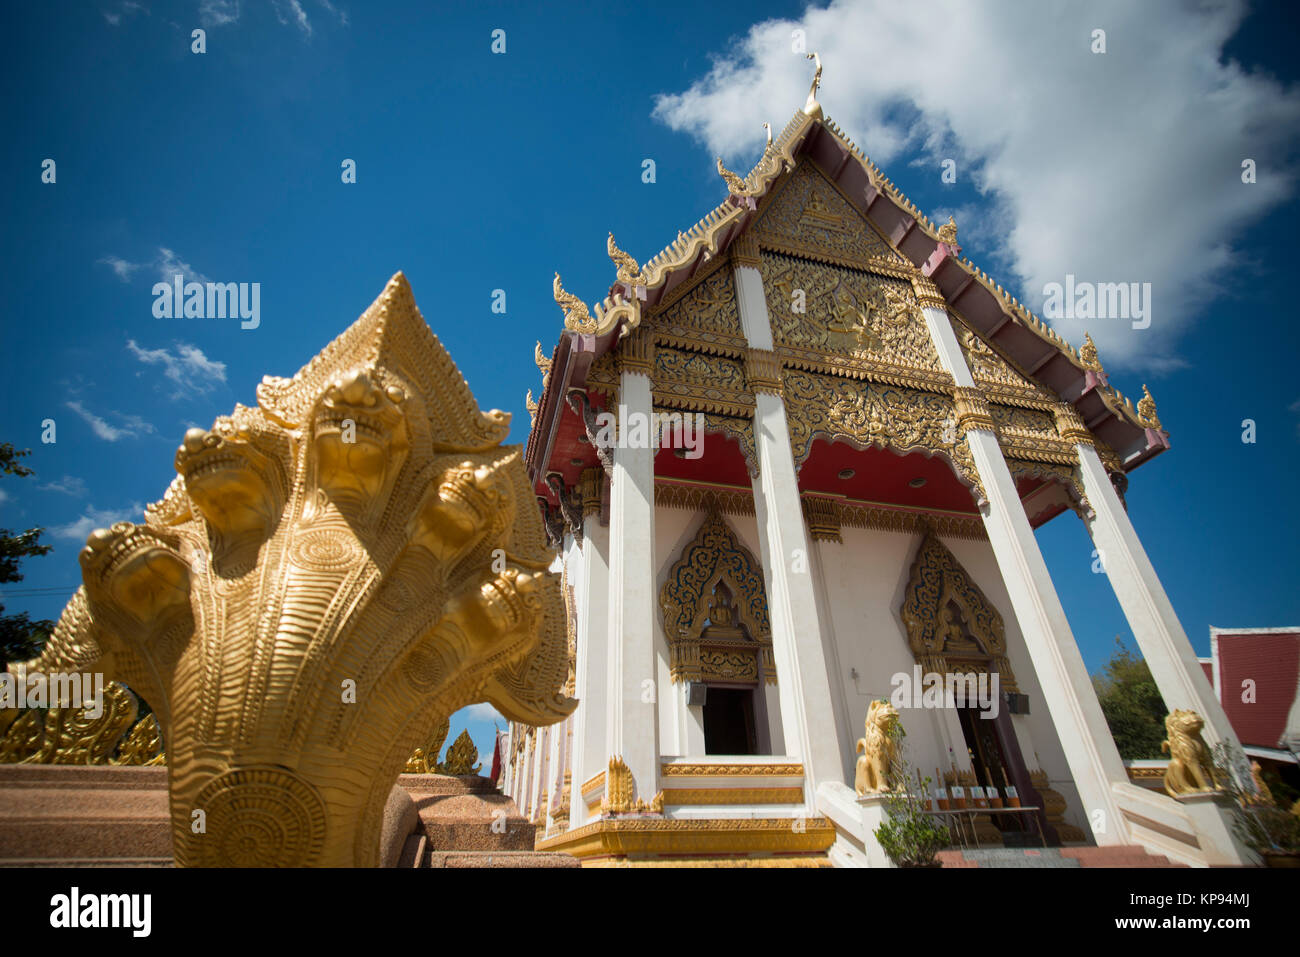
[714, 610]
[807, 214]
[951, 625]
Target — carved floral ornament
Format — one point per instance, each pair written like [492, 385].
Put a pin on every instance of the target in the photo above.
[951, 626]
[317, 589]
[715, 610]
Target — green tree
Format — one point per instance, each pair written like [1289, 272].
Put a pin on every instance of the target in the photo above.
[20, 637]
[1131, 703]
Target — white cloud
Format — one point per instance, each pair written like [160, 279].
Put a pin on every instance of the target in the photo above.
[1115, 167]
[167, 265]
[218, 13]
[94, 518]
[191, 370]
[129, 426]
[4, 496]
[484, 712]
[296, 11]
[68, 485]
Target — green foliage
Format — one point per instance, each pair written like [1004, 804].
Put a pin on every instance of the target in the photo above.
[1132, 704]
[910, 836]
[1263, 827]
[20, 637]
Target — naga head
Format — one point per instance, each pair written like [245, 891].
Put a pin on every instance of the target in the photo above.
[385, 578]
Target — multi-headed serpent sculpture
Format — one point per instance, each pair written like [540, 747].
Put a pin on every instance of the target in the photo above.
[329, 575]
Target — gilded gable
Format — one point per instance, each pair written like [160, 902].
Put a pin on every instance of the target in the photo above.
[808, 215]
[818, 309]
[992, 371]
[705, 315]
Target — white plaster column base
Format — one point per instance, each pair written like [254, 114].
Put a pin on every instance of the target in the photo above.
[855, 819]
[1211, 815]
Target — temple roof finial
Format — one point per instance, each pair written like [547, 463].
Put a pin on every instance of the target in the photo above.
[812, 107]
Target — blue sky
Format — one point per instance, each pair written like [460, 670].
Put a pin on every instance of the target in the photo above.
[478, 172]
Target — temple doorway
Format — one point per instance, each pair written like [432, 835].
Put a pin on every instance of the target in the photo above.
[729, 726]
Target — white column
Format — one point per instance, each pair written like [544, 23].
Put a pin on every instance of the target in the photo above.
[535, 784]
[633, 725]
[1066, 687]
[808, 722]
[803, 682]
[554, 769]
[590, 753]
[1147, 608]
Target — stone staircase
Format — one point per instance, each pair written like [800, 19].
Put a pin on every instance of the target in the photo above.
[1051, 857]
[55, 815]
[466, 822]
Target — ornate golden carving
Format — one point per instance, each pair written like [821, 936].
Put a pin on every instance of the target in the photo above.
[1146, 410]
[951, 626]
[715, 610]
[636, 352]
[619, 788]
[735, 185]
[590, 487]
[628, 270]
[725, 499]
[531, 405]
[731, 770]
[877, 746]
[651, 835]
[948, 231]
[928, 294]
[1088, 354]
[823, 517]
[731, 796]
[1190, 767]
[744, 250]
[1071, 427]
[701, 383]
[809, 216]
[144, 745]
[972, 410]
[863, 415]
[703, 314]
[319, 590]
[71, 735]
[861, 515]
[869, 325]
[763, 370]
[425, 760]
[462, 756]
[576, 316]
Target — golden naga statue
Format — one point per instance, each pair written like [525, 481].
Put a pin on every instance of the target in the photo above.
[1190, 768]
[330, 575]
[877, 747]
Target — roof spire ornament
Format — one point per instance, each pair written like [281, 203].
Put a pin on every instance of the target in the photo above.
[1147, 410]
[1088, 354]
[768, 147]
[543, 363]
[629, 271]
[812, 107]
[734, 183]
[948, 232]
[531, 405]
[576, 316]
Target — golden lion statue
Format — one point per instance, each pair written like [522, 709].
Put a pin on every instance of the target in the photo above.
[1190, 768]
[877, 747]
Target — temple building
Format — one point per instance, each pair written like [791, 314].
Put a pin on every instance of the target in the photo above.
[835, 438]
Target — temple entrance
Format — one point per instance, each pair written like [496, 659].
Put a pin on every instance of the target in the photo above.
[997, 763]
[729, 721]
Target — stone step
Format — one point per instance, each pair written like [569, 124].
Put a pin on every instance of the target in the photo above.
[1055, 857]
